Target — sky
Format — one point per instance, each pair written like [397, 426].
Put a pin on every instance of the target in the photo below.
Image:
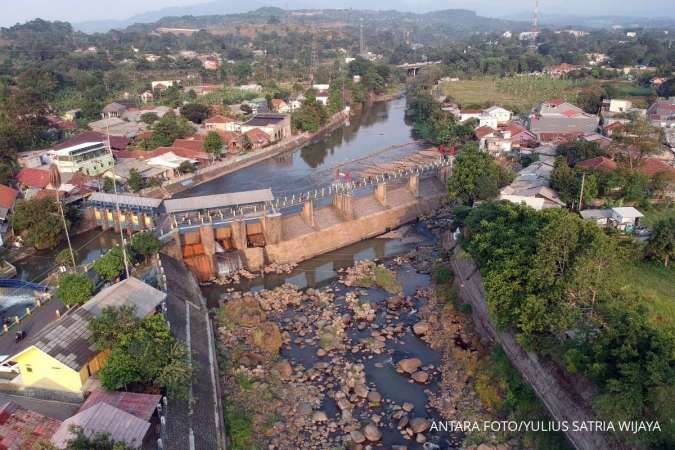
[86, 10]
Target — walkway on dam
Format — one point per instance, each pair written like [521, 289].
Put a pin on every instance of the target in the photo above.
[195, 424]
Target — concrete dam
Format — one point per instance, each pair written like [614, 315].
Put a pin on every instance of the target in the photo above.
[219, 234]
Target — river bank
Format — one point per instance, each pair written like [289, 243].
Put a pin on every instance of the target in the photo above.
[372, 355]
[230, 165]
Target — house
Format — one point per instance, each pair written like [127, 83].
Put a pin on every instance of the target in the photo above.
[625, 218]
[661, 113]
[147, 96]
[653, 166]
[296, 103]
[613, 129]
[502, 115]
[116, 142]
[486, 120]
[279, 106]
[322, 97]
[602, 141]
[531, 187]
[257, 138]
[562, 69]
[222, 123]
[276, 126]
[32, 178]
[102, 418]
[499, 143]
[169, 162]
[135, 114]
[61, 356]
[72, 114]
[558, 117]
[467, 114]
[250, 88]
[231, 140]
[615, 105]
[90, 158]
[113, 109]
[163, 85]
[520, 136]
[7, 200]
[123, 167]
[117, 127]
[23, 429]
[599, 163]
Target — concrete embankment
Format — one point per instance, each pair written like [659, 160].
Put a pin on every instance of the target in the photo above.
[221, 168]
[567, 398]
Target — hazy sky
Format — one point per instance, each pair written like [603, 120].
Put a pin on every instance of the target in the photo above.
[84, 10]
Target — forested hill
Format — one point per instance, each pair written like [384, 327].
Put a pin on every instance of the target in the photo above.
[448, 22]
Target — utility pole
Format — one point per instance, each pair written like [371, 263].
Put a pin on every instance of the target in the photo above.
[55, 181]
[117, 202]
[581, 193]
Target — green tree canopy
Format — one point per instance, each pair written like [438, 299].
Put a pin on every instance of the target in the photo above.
[476, 176]
[136, 181]
[74, 288]
[213, 144]
[145, 244]
[195, 112]
[38, 221]
[111, 265]
[661, 243]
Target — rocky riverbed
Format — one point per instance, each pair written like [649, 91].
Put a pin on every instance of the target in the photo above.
[371, 360]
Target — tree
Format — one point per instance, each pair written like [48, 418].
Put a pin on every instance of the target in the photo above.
[213, 144]
[74, 288]
[63, 258]
[99, 441]
[108, 185]
[145, 244]
[579, 150]
[661, 243]
[195, 112]
[186, 167]
[111, 265]
[136, 181]
[640, 140]
[149, 118]
[142, 351]
[476, 176]
[38, 222]
[310, 116]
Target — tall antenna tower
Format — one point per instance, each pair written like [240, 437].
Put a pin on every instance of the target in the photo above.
[535, 17]
[362, 42]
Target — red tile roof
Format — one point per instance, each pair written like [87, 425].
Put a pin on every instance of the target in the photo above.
[558, 137]
[470, 111]
[220, 119]
[35, 178]
[7, 196]
[481, 132]
[597, 163]
[652, 166]
[257, 135]
[140, 405]
[555, 101]
[21, 429]
[192, 144]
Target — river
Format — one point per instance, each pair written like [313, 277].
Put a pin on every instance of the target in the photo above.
[366, 136]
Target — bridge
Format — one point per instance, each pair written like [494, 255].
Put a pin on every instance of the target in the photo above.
[255, 228]
[21, 284]
[413, 68]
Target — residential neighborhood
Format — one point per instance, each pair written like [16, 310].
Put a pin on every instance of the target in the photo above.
[231, 226]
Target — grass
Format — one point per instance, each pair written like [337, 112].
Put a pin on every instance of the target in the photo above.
[656, 283]
[519, 94]
[387, 280]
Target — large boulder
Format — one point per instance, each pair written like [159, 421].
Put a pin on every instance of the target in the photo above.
[421, 328]
[372, 433]
[267, 337]
[409, 365]
[419, 424]
[420, 376]
[243, 311]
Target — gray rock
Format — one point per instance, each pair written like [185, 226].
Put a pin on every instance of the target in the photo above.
[409, 365]
[372, 433]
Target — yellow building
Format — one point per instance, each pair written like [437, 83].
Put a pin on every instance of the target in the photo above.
[61, 356]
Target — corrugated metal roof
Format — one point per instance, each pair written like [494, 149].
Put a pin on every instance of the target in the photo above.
[131, 200]
[130, 292]
[140, 405]
[218, 200]
[103, 418]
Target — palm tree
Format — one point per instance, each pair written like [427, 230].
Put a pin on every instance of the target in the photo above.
[55, 181]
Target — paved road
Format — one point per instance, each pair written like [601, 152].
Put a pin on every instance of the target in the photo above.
[44, 315]
[199, 427]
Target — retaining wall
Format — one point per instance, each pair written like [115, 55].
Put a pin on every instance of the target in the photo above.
[566, 397]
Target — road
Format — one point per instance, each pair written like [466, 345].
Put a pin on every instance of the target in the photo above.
[199, 427]
[43, 316]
